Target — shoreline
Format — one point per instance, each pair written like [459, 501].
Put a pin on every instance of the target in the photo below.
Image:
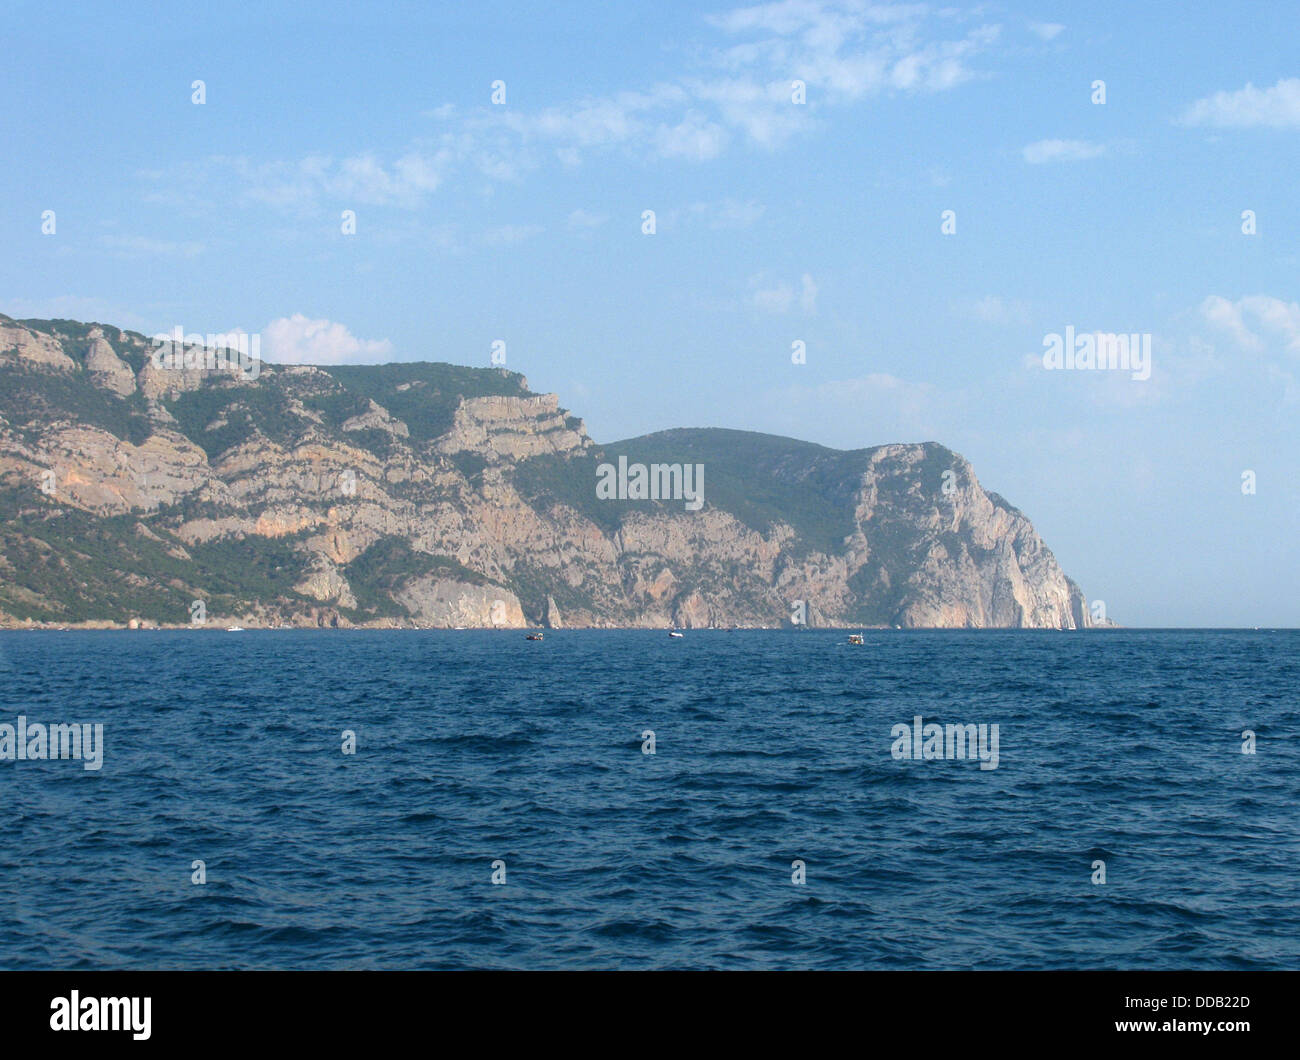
[223, 626]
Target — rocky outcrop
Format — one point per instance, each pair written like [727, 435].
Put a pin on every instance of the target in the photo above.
[326, 584]
[107, 369]
[513, 428]
[377, 418]
[447, 604]
[978, 561]
[553, 619]
[443, 496]
[22, 344]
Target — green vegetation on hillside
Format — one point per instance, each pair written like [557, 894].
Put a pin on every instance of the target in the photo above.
[62, 565]
[761, 479]
[30, 399]
[424, 394]
[68, 566]
[225, 414]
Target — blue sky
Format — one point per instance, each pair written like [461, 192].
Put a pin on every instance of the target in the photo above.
[776, 222]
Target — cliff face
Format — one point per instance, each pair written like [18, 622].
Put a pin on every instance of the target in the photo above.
[443, 496]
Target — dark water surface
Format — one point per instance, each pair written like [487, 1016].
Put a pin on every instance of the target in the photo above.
[472, 746]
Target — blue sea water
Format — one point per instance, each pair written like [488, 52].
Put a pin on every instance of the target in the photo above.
[771, 747]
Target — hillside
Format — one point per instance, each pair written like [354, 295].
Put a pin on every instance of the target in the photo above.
[435, 495]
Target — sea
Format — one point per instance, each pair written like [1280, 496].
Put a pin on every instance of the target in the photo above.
[283, 799]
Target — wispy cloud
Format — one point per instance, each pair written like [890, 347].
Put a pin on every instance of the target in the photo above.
[587, 219]
[720, 214]
[694, 137]
[1250, 107]
[993, 309]
[731, 213]
[1044, 151]
[782, 297]
[507, 235]
[849, 50]
[144, 247]
[740, 92]
[359, 180]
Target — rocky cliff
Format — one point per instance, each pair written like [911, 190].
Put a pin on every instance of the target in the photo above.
[429, 494]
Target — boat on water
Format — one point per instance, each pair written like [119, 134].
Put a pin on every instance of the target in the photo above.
[535, 636]
[856, 638]
[234, 629]
[674, 633]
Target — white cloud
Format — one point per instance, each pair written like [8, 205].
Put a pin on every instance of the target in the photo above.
[144, 247]
[807, 294]
[761, 112]
[843, 51]
[732, 213]
[1061, 151]
[364, 179]
[782, 297]
[1256, 321]
[776, 299]
[720, 214]
[739, 91]
[694, 138]
[581, 218]
[625, 119]
[359, 180]
[505, 235]
[848, 50]
[1046, 30]
[298, 340]
[596, 122]
[1227, 317]
[1277, 107]
[993, 309]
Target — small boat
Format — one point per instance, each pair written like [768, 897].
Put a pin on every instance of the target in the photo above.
[674, 633]
[234, 629]
[535, 636]
[855, 638]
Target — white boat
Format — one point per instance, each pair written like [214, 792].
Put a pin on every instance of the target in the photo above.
[674, 633]
[234, 629]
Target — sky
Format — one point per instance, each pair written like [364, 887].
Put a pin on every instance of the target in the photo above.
[920, 195]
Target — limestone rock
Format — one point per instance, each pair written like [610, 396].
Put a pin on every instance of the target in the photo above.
[446, 603]
[106, 367]
[480, 510]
